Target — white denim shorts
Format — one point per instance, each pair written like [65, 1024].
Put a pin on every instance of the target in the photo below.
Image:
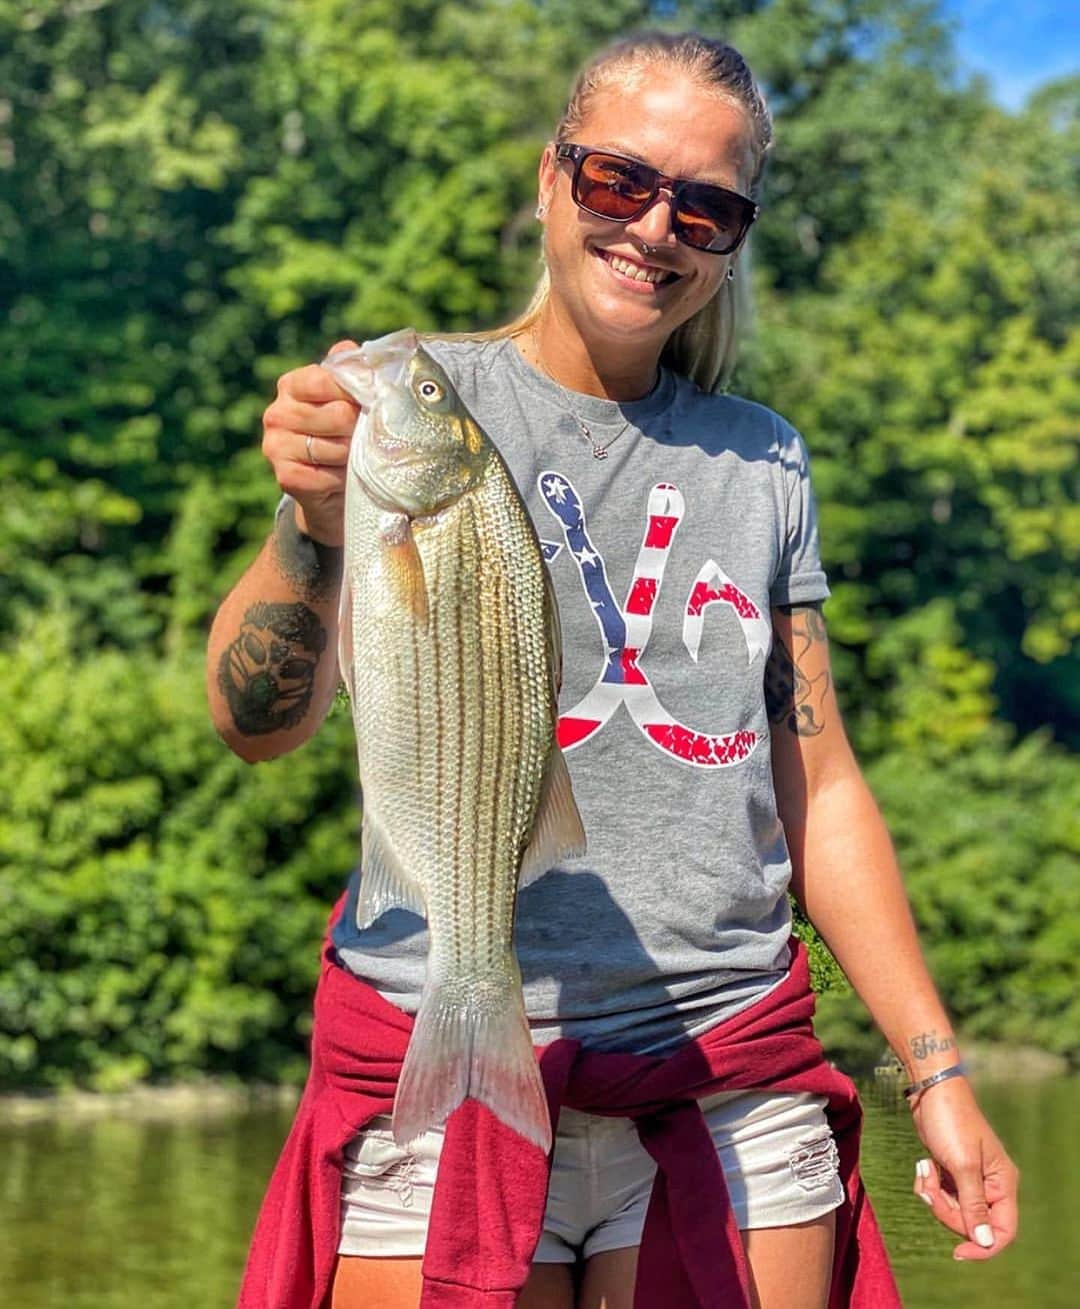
[777, 1153]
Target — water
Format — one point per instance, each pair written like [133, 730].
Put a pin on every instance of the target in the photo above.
[1038, 1123]
[119, 1214]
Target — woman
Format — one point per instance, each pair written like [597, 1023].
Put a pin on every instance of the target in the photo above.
[698, 818]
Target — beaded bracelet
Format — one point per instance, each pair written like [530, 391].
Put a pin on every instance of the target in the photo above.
[942, 1075]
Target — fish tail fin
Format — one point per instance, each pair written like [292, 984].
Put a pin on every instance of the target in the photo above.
[476, 1047]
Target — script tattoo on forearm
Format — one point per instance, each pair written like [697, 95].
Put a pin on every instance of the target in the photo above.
[267, 675]
[791, 696]
[928, 1043]
[313, 569]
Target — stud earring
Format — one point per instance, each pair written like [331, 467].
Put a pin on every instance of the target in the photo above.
[541, 210]
[731, 273]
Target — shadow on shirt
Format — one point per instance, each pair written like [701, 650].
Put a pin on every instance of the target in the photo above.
[575, 945]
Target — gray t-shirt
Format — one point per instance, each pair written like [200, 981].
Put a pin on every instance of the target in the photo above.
[666, 557]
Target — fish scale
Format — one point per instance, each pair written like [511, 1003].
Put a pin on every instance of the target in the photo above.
[449, 647]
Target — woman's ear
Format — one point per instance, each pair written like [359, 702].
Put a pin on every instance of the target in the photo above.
[545, 180]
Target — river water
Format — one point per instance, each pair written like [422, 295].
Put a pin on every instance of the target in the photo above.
[120, 1214]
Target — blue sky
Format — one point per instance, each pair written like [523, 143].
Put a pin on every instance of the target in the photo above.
[1018, 44]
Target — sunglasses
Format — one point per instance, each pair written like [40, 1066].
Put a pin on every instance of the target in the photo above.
[613, 186]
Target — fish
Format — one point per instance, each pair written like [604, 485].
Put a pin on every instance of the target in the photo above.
[450, 650]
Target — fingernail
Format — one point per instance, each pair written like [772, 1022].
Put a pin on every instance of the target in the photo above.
[984, 1236]
[923, 1196]
[960, 1258]
[923, 1167]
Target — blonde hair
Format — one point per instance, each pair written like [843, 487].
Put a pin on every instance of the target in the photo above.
[704, 347]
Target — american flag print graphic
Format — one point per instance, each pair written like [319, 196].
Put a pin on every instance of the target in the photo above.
[625, 631]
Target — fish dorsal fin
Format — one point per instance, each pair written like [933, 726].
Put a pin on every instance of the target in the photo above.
[384, 884]
[558, 832]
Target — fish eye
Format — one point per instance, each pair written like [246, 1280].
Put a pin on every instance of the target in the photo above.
[430, 391]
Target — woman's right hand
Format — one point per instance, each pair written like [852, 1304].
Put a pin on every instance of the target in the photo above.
[310, 403]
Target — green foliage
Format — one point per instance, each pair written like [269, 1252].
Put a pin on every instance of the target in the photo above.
[989, 838]
[936, 373]
[990, 842]
[195, 196]
[160, 902]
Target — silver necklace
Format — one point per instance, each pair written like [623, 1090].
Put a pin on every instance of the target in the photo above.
[599, 451]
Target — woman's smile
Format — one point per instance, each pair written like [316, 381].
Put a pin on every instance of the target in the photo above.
[639, 277]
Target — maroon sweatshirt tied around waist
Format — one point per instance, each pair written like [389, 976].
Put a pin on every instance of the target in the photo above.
[491, 1187]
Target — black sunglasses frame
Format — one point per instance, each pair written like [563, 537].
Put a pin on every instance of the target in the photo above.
[677, 186]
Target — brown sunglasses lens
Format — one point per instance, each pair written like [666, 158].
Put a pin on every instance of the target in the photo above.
[703, 216]
[711, 221]
[612, 186]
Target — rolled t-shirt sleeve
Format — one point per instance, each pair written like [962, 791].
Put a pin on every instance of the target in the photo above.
[800, 577]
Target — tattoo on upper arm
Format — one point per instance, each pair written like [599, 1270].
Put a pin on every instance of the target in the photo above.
[790, 695]
[267, 675]
[313, 569]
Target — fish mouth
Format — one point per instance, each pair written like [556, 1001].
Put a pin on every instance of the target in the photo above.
[394, 348]
[367, 371]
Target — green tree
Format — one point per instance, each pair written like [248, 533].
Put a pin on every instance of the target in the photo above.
[196, 196]
[990, 843]
[935, 375]
[160, 902]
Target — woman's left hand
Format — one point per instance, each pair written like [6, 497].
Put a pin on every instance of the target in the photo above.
[969, 1181]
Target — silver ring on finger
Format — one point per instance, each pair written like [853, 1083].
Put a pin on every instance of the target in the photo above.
[310, 452]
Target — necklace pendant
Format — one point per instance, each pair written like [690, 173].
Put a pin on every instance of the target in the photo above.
[599, 452]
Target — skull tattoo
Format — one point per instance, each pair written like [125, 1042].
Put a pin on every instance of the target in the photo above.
[267, 675]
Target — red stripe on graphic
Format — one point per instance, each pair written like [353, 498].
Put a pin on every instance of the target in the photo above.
[698, 747]
[703, 594]
[660, 530]
[742, 603]
[642, 596]
[632, 674]
[573, 730]
[700, 597]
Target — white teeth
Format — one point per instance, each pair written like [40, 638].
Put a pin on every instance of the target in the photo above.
[636, 271]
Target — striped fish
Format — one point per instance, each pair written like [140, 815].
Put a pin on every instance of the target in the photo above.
[450, 650]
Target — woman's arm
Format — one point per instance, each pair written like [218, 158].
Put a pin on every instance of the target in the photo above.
[272, 657]
[845, 877]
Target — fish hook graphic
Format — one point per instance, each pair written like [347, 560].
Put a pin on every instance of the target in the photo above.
[625, 631]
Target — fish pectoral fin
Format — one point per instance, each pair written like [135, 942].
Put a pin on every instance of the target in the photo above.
[402, 566]
[384, 884]
[460, 1049]
[558, 832]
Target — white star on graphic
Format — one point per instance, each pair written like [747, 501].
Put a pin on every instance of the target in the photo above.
[557, 487]
[586, 556]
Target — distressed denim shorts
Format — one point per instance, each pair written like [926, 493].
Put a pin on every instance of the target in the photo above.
[777, 1153]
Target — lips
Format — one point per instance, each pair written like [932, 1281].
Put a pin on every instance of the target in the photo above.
[635, 272]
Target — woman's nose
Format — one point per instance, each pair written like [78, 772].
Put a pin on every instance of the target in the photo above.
[654, 225]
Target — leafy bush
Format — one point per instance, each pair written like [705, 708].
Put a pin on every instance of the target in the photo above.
[161, 903]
